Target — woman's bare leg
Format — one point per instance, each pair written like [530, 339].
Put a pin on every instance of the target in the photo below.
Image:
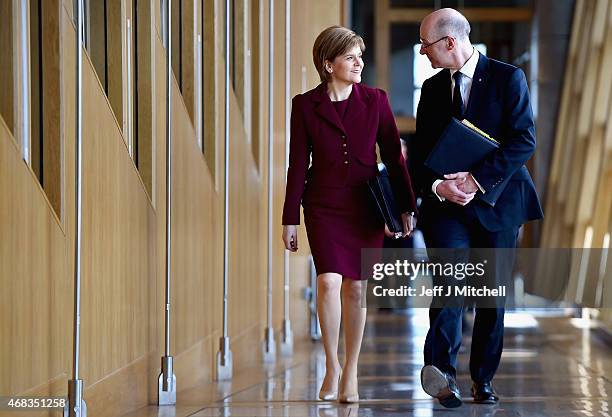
[329, 310]
[353, 322]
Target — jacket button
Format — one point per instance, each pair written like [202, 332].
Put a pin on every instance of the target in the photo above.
[343, 137]
[345, 162]
[344, 144]
[346, 153]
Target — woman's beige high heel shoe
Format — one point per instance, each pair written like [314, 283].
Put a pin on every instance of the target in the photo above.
[330, 395]
[348, 397]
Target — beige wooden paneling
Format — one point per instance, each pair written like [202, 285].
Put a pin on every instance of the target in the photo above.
[35, 338]
[123, 275]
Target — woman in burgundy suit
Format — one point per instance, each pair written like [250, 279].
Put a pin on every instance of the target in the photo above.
[339, 124]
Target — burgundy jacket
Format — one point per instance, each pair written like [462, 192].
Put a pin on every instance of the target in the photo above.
[343, 154]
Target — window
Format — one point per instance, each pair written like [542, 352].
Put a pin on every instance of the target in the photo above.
[103, 41]
[141, 90]
[256, 77]
[6, 63]
[239, 50]
[177, 40]
[45, 103]
[29, 82]
[505, 41]
[210, 87]
[184, 53]
[458, 4]
[422, 70]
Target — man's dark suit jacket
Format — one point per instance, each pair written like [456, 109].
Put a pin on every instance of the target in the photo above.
[498, 104]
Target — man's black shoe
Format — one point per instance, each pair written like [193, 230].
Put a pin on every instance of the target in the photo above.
[484, 393]
[441, 386]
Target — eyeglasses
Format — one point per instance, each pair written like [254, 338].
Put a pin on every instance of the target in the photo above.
[425, 45]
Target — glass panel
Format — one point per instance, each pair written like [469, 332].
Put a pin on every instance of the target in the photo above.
[96, 37]
[403, 37]
[458, 4]
[362, 16]
[177, 44]
[6, 63]
[486, 3]
[36, 88]
[413, 3]
[505, 41]
[423, 70]
[232, 51]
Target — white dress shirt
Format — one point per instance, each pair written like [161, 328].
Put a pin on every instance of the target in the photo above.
[467, 70]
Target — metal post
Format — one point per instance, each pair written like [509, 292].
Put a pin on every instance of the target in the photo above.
[76, 406]
[24, 80]
[198, 16]
[269, 346]
[286, 345]
[200, 107]
[167, 379]
[224, 355]
[315, 327]
[130, 112]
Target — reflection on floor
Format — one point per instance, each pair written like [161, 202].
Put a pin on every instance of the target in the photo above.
[550, 367]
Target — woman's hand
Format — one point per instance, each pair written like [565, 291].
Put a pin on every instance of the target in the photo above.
[409, 222]
[290, 237]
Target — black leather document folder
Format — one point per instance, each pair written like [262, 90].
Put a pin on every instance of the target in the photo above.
[460, 147]
[382, 193]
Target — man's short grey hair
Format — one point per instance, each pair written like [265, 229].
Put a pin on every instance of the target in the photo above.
[456, 26]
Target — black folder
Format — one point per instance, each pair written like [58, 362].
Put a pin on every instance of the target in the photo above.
[382, 193]
[461, 147]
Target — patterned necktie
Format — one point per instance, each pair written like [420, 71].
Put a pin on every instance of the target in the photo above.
[458, 107]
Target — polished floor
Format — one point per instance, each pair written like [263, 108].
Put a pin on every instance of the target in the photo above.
[551, 366]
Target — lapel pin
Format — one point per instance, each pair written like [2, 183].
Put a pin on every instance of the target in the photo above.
[480, 80]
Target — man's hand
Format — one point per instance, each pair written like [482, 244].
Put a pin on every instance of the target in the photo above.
[450, 190]
[468, 185]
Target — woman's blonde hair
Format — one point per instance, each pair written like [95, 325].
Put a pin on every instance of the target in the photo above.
[332, 42]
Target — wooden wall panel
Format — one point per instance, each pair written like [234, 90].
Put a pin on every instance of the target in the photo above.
[34, 277]
[123, 275]
[117, 206]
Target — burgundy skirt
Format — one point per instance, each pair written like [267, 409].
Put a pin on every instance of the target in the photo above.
[339, 223]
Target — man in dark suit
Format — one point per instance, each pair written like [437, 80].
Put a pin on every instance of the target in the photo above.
[466, 209]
